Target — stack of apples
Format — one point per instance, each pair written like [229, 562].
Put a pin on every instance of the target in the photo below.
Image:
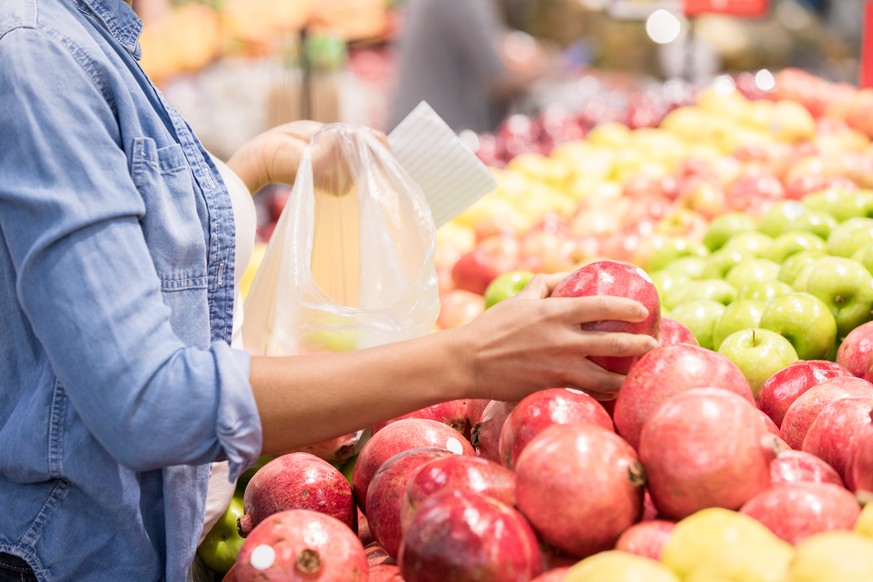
[692, 473]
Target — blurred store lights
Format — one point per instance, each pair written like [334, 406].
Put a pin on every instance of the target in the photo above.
[663, 26]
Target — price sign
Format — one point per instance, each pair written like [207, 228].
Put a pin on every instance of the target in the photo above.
[747, 8]
[866, 80]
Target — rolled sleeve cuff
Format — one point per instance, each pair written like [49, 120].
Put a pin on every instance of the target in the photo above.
[238, 424]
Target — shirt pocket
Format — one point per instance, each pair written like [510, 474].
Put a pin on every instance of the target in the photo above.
[175, 215]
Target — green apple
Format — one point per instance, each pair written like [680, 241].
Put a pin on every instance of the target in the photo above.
[758, 353]
[673, 248]
[765, 290]
[505, 286]
[700, 316]
[691, 266]
[849, 236]
[724, 227]
[723, 260]
[752, 271]
[756, 243]
[846, 287]
[795, 264]
[221, 545]
[795, 241]
[840, 203]
[805, 321]
[864, 255]
[739, 315]
[715, 289]
[788, 215]
[666, 281]
[348, 468]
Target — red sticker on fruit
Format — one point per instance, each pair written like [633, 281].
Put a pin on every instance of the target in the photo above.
[748, 8]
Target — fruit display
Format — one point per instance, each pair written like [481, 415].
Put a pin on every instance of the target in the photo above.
[741, 448]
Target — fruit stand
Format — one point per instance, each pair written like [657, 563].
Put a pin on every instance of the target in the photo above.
[739, 210]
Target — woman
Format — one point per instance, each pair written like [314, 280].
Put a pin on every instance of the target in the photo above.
[119, 388]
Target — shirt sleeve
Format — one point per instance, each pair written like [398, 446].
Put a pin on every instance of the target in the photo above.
[70, 219]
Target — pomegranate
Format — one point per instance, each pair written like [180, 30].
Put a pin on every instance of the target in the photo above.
[542, 409]
[458, 472]
[801, 414]
[834, 433]
[387, 490]
[856, 350]
[668, 370]
[302, 545]
[485, 435]
[556, 575]
[646, 538]
[467, 536]
[673, 332]
[335, 450]
[785, 386]
[452, 413]
[475, 408]
[798, 466]
[297, 481]
[690, 463]
[399, 436]
[580, 485]
[620, 279]
[768, 424]
[794, 511]
[862, 464]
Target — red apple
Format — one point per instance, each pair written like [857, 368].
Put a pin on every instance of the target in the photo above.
[387, 491]
[689, 462]
[473, 271]
[856, 350]
[581, 486]
[673, 332]
[833, 434]
[459, 307]
[465, 535]
[803, 412]
[798, 466]
[542, 409]
[795, 511]
[617, 279]
[646, 538]
[299, 545]
[862, 464]
[297, 481]
[457, 472]
[668, 370]
[453, 413]
[485, 435]
[785, 386]
[409, 433]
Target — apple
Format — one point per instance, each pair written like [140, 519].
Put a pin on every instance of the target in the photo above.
[846, 287]
[694, 267]
[752, 271]
[864, 255]
[667, 370]
[739, 315]
[665, 280]
[784, 387]
[763, 290]
[833, 434]
[793, 466]
[673, 332]
[618, 279]
[756, 243]
[797, 263]
[715, 289]
[673, 248]
[791, 215]
[804, 410]
[720, 262]
[856, 350]
[847, 237]
[220, 548]
[459, 307]
[805, 321]
[841, 203]
[758, 353]
[474, 271]
[795, 241]
[725, 227]
[795, 511]
[505, 286]
[700, 316]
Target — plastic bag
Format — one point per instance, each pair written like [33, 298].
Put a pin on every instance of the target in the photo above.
[350, 262]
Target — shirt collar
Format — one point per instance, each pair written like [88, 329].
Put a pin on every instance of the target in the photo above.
[119, 19]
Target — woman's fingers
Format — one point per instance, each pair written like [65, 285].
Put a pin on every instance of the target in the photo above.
[599, 308]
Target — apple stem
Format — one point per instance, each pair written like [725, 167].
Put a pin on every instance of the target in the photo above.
[308, 562]
[637, 474]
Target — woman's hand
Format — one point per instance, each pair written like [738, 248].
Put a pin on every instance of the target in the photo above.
[529, 341]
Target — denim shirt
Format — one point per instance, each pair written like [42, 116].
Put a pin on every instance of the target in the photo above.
[117, 383]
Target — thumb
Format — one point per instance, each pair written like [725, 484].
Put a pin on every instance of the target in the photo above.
[541, 286]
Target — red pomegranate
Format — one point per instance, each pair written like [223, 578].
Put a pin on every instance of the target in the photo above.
[297, 481]
[580, 485]
[798, 466]
[833, 434]
[646, 538]
[862, 464]
[299, 545]
[465, 536]
[803, 412]
[453, 413]
[781, 389]
[690, 463]
[485, 435]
